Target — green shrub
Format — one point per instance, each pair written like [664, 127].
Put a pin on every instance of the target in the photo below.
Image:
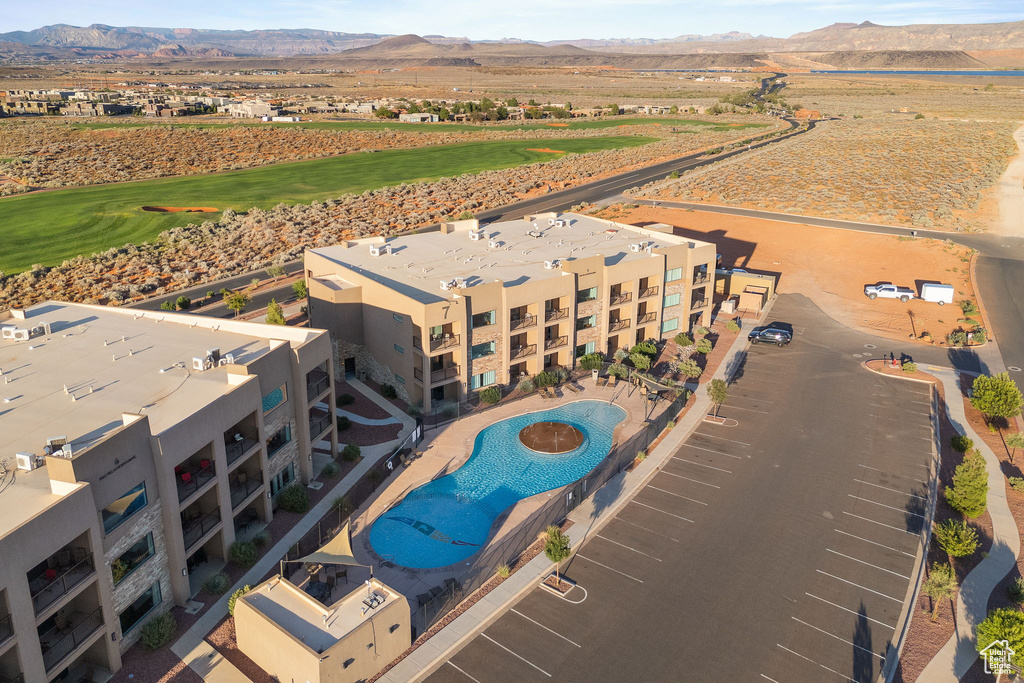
[261, 539]
[234, 598]
[217, 583]
[689, 368]
[683, 339]
[343, 423]
[345, 399]
[158, 631]
[641, 456]
[979, 335]
[704, 346]
[526, 386]
[641, 361]
[732, 326]
[294, 498]
[591, 361]
[1015, 591]
[969, 493]
[243, 554]
[331, 469]
[645, 347]
[671, 424]
[1017, 484]
[183, 303]
[909, 367]
[350, 452]
[956, 338]
[504, 571]
[961, 443]
[388, 391]
[701, 330]
[620, 371]
[545, 379]
[621, 355]
[490, 395]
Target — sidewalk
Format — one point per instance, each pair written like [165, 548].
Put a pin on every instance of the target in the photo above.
[959, 652]
[192, 647]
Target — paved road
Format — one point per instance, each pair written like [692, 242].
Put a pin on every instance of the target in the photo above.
[777, 549]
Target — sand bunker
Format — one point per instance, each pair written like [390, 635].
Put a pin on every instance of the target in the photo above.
[181, 209]
[546, 150]
[559, 125]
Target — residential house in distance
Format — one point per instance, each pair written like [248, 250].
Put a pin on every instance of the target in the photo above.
[252, 109]
[422, 117]
[442, 314]
[135, 448]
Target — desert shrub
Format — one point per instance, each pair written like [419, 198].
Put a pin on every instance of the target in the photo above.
[1015, 591]
[350, 452]
[621, 355]
[683, 339]
[345, 400]
[732, 326]
[295, 498]
[504, 571]
[388, 391]
[261, 539]
[704, 345]
[671, 424]
[909, 367]
[243, 554]
[979, 335]
[1017, 484]
[234, 598]
[641, 361]
[545, 379]
[343, 423]
[490, 395]
[961, 443]
[591, 361]
[158, 631]
[331, 470]
[217, 583]
[526, 386]
[647, 348]
[956, 338]
[182, 303]
[689, 368]
[641, 456]
[701, 330]
[619, 371]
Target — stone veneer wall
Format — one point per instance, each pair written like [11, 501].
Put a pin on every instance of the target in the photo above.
[497, 361]
[365, 362]
[681, 311]
[597, 334]
[156, 568]
[288, 452]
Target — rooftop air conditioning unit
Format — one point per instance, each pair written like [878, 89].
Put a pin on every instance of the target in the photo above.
[20, 335]
[228, 359]
[634, 247]
[493, 244]
[27, 461]
[551, 222]
[198, 364]
[460, 283]
[378, 249]
[475, 235]
[559, 223]
[551, 265]
[650, 248]
[446, 284]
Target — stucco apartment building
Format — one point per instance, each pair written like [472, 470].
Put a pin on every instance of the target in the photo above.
[135, 448]
[442, 314]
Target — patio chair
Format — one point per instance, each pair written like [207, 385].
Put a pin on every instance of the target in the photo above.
[452, 585]
[424, 598]
[436, 591]
[64, 559]
[80, 555]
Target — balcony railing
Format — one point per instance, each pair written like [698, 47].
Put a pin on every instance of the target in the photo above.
[50, 591]
[194, 529]
[239, 444]
[6, 629]
[649, 292]
[555, 343]
[20, 678]
[584, 324]
[446, 341]
[615, 325]
[553, 314]
[196, 481]
[57, 647]
[444, 374]
[522, 351]
[699, 303]
[521, 322]
[700, 279]
[621, 298]
[317, 382]
[239, 492]
[647, 318]
[319, 423]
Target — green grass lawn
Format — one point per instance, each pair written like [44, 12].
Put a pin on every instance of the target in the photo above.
[48, 227]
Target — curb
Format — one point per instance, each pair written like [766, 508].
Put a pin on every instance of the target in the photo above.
[981, 304]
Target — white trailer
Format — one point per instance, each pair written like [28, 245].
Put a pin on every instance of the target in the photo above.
[937, 293]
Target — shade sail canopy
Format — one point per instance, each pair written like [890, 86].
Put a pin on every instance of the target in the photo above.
[336, 551]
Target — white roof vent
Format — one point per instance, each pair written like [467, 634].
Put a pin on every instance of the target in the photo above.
[447, 284]
[378, 249]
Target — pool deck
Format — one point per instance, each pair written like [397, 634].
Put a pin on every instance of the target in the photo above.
[448, 448]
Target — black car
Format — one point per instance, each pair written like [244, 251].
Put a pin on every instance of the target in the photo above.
[770, 335]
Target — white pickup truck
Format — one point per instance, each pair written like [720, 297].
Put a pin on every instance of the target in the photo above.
[888, 292]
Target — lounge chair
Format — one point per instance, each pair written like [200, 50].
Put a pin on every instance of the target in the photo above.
[601, 381]
[424, 598]
[612, 380]
[543, 394]
[572, 387]
[551, 392]
[452, 585]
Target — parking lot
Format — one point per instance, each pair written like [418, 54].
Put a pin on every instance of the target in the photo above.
[777, 547]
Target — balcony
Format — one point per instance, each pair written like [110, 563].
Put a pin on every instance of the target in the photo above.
[241, 444]
[317, 382]
[58, 643]
[556, 343]
[195, 528]
[553, 314]
[6, 629]
[647, 318]
[522, 351]
[444, 374]
[621, 298]
[447, 341]
[522, 322]
[700, 279]
[699, 303]
[319, 422]
[241, 490]
[647, 293]
[190, 482]
[616, 325]
[53, 584]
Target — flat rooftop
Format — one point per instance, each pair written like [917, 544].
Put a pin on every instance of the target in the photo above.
[418, 263]
[302, 616]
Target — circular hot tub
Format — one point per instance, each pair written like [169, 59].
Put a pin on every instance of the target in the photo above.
[551, 437]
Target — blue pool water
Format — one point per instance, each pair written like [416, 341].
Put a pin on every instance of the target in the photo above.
[448, 519]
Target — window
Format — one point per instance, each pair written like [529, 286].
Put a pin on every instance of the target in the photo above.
[482, 380]
[398, 318]
[123, 508]
[670, 325]
[481, 350]
[399, 378]
[142, 606]
[586, 295]
[400, 349]
[673, 275]
[671, 300]
[275, 398]
[584, 349]
[282, 479]
[483, 319]
[278, 440]
[132, 558]
[586, 323]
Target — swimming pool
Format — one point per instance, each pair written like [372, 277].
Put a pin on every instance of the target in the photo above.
[448, 520]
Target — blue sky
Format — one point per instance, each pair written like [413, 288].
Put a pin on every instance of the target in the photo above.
[487, 19]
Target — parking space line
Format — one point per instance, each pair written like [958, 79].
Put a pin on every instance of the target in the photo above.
[463, 672]
[842, 640]
[769, 679]
[888, 526]
[636, 502]
[713, 436]
[516, 655]
[692, 500]
[656, 533]
[763, 412]
[860, 586]
[836, 552]
[901, 476]
[695, 481]
[814, 662]
[545, 628]
[711, 450]
[912, 495]
[611, 569]
[896, 550]
[927, 403]
[694, 462]
[904, 511]
[639, 552]
[846, 609]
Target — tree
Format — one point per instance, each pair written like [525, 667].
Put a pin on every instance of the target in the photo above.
[299, 288]
[275, 271]
[689, 368]
[613, 109]
[718, 391]
[969, 493]
[167, 305]
[641, 361]
[591, 361]
[275, 313]
[385, 113]
[956, 538]
[556, 547]
[997, 397]
[1013, 442]
[1003, 624]
[183, 302]
[236, 301]
[940, 584]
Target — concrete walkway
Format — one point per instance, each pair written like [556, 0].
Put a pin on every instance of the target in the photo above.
[366, 420]
[192, 647]
[959, 652]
